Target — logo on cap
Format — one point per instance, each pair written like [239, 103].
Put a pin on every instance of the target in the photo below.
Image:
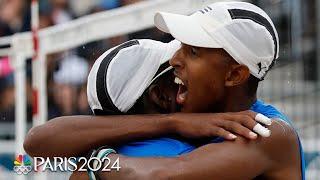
[206, 9]
[260, 67]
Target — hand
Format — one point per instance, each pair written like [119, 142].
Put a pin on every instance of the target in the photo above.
[225, 125]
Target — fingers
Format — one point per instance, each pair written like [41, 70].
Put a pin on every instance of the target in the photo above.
[223, 133]
[258, 128]
[262, 131]
[249, 119]
[240, 129]
[258, 117]
[263, 119]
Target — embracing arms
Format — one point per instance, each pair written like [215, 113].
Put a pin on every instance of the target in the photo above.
[276, 157]
[76, 135]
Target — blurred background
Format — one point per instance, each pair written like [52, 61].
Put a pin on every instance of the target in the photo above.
[293, 85]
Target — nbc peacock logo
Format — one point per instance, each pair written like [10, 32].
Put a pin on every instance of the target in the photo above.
[22, 164]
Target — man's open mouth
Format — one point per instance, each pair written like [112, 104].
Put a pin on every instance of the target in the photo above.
[182, 92]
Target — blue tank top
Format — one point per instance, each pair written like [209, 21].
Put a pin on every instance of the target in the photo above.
[160, 147]
[170, 147]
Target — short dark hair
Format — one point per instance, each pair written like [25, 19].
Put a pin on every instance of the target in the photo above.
[138, 107]
[253, 83]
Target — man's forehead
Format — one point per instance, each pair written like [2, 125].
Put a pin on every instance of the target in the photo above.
[208, 50]
[215, 54]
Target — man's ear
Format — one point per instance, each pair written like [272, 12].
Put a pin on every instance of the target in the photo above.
[158, 97]
[237, 74]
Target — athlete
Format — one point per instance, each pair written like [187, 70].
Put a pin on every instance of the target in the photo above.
[223, 155]
[228, 48]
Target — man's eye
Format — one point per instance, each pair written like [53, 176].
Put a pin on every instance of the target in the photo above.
[194, 51]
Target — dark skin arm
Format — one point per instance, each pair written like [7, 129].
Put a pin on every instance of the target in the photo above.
[76, 135]
[275, 157]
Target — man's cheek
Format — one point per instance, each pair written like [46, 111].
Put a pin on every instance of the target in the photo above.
[196, 99]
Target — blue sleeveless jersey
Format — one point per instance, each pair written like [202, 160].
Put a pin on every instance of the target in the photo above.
[160, 147]
[170, 147]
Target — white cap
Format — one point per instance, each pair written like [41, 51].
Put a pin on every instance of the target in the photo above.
[120, 75]
[242, 29]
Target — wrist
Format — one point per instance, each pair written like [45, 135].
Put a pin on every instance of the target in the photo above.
[163, 125]
[173, 122]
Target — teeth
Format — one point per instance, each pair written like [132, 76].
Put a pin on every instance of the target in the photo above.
[178, 81]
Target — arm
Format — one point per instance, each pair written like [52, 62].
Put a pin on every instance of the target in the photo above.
[241, 159]
[75, 135]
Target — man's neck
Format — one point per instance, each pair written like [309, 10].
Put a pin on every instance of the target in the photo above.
[237, 101]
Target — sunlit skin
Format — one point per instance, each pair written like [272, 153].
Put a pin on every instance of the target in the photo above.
[210, 76]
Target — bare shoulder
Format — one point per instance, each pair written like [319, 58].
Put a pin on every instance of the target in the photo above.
[283, 137]
[280, 151]
[283, 140]
[282, 148]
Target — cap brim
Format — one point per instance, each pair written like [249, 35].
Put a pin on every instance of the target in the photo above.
[185, 29]
[161, 73]
[169, 50]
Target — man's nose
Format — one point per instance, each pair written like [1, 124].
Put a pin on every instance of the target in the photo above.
[177, 61]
